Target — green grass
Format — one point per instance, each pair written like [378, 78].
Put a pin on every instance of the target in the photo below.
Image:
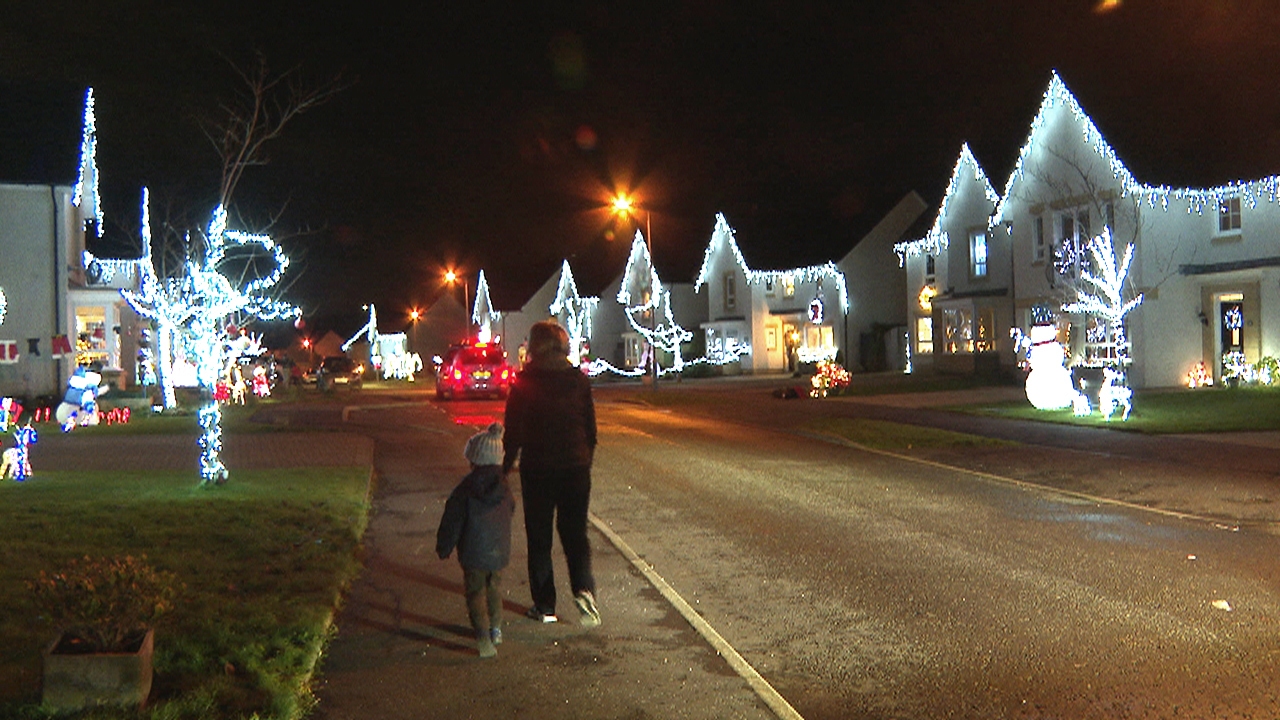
[263, 561]
[1203, 410]
[897, 437]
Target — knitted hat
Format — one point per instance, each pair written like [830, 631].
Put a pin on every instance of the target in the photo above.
[485, 448]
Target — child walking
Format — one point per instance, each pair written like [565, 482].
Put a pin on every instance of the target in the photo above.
[477, 521]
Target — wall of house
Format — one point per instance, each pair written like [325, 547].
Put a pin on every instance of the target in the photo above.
[876, 286]
[32, 220]
[1168, 334]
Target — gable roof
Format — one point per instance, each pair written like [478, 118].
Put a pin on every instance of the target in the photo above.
[936, 239]
[1057, 96]
[723, 237]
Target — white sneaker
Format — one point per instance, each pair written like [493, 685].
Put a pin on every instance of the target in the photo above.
[586, 603]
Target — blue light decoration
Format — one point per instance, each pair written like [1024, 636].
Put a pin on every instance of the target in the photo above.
[482, 312]
[195, 306]
[937, 239]
[643, 299]
[16, 461]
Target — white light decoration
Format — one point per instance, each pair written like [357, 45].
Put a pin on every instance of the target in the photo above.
[574, 313]
[86, 190]
[369, 331]
[4, 306]
[1049, 385]
[937, 240]
[482, 312]
[723, 236]
[644, 298]
[1197, 200]
[195, 307]
[1107, 278]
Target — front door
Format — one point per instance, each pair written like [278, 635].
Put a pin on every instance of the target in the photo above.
[1231, 319]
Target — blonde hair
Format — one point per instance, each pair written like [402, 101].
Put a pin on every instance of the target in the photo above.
[548, 344]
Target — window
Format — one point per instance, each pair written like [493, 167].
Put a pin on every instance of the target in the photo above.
[730, 292]
[91, 336]
[978, 254]
[1229, 215]
[1071, 240]
[789, 287]
[768, 287]
[958, 326]
[930, 269]
[1041, 251]
[1109, 216]
[986, 339]
[924, 336]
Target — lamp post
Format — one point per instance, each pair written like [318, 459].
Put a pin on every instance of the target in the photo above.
[414, 316]
[624, 205]
[452, 277]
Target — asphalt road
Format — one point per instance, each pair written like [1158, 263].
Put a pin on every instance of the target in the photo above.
[863, 585]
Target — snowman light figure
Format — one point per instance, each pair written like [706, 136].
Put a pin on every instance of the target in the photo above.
[1049, 385]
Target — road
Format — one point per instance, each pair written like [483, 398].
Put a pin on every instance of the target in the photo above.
[862, 585]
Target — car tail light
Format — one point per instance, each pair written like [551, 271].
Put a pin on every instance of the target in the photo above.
[506, 373]
[457, 374]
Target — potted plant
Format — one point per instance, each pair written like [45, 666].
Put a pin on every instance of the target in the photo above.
[103, 609]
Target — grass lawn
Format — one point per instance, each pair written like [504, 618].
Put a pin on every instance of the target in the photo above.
[262, 560]
[1204, 410]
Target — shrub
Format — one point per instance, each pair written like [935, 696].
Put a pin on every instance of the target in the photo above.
[104, 604]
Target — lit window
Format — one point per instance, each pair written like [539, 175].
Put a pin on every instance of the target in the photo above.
[924, 336]
[978, 254]
[958, 325]
[986, 340]
[1229, 215]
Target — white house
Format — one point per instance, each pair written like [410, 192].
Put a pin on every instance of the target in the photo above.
[958, 290]
[768, 320]
[1206, 260]
[63, 305]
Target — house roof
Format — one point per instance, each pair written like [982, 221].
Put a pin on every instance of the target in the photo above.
[1057, 97]
[41, 131]
[935, 239]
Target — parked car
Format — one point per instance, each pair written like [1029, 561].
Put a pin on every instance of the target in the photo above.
[338, 370]
[478, 369]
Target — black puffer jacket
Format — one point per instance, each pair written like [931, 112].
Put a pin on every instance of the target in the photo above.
[550, 420]
[477, 521]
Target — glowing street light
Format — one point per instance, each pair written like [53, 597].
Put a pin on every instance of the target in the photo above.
[452, 277]
[414, 316]
[625, 206]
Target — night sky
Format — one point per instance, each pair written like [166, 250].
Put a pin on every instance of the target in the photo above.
[480, 135]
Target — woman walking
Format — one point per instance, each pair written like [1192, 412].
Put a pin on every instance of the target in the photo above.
[551, 427]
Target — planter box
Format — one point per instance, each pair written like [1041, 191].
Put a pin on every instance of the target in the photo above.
[73, 681]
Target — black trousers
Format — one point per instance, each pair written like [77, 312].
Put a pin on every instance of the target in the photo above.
[559, 499]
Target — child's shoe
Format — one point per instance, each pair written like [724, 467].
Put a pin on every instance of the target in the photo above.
[484, 644]
[586, 603]
[495, 634]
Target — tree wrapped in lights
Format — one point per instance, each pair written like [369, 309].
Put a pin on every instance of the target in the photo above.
[648, 307]
[195, 306]
[1101, 294]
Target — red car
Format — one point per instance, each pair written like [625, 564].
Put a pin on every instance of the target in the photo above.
[479, 369]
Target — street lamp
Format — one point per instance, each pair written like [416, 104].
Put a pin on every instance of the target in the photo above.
[624, 205]
[414, 316]
[452, 277]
